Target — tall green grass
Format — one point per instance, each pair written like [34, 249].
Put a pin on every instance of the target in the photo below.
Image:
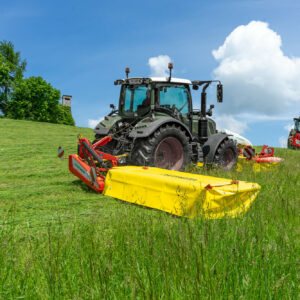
[61, 240]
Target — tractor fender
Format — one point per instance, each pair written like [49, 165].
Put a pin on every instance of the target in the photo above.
[211, 145]
[141, 131]
[103, 127]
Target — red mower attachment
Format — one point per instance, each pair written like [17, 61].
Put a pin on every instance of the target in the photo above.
[91, 165]
[265, 156]
[249, 152]
[266, 152]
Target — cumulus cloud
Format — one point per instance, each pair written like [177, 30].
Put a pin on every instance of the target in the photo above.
[283, 141]
[230, 123]
[289, 127]
[257, 76]
[159, 65]
[93, 123]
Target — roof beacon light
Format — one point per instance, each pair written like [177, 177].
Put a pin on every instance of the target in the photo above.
[170, 67]
[127, 71]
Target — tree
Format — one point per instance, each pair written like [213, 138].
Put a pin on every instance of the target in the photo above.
[12, 68]
[35, 99]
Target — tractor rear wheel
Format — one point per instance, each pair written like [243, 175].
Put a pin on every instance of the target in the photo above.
[226, 154]
[167, 148]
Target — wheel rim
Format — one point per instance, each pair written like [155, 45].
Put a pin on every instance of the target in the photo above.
[229, 159]
[169, 154]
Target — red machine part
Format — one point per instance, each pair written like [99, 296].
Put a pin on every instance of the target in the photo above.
[84, 172]
[266, 152]
[90, 165]
[248, 152]
[296, 140]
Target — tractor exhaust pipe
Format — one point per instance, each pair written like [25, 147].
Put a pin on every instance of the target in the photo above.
[203, 100]
[170, 67]
[203, 123]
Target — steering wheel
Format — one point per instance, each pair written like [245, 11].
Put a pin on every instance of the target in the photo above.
[174, 108]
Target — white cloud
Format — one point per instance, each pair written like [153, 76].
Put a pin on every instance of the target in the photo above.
[289, 127]
[230, 123]
[257, 76]
[250, 117]
[283, 141]
[159, 65]
[93, 123]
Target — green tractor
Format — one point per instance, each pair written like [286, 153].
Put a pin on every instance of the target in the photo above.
[156, 125]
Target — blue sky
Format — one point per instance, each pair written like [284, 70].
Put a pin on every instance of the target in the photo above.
[82, 47]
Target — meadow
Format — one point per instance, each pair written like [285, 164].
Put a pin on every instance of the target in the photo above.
[61, 240]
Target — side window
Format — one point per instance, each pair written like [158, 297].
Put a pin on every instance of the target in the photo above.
[174, 95]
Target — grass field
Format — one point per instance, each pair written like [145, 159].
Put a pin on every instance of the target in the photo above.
[61, 240]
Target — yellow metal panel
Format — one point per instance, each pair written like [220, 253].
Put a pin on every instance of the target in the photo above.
[179, 193]
[243, 163]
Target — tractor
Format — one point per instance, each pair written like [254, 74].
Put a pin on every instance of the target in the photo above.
[156, 125]
[294, 136]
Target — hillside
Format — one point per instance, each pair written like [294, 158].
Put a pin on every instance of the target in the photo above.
[59, 239]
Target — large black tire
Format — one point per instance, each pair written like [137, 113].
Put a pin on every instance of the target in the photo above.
[226, 155]
[168, 148]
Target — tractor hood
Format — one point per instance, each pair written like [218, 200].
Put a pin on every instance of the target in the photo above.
[104, 125]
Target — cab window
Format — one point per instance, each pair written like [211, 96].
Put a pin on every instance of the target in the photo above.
[135, 99]
[174, 95]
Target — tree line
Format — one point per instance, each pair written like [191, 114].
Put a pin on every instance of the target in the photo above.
[28, 98]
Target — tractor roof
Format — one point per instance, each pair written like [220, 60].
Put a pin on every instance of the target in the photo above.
[174, 80]
[141, 80]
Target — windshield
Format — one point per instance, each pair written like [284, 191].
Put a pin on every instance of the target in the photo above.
[135, 99]
[174, 95]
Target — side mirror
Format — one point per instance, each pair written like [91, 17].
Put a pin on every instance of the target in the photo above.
[195, 87]
[220, 93]
[112, 106]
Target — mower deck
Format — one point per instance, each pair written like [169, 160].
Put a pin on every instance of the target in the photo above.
[178, 193]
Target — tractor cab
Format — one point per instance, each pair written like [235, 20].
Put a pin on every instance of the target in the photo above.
[140, 96]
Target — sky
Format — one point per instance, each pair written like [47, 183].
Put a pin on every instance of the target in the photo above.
[252, 46]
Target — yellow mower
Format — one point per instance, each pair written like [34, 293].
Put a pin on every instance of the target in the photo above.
[178, 193]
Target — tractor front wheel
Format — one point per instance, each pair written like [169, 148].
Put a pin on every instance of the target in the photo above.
[167, 148]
